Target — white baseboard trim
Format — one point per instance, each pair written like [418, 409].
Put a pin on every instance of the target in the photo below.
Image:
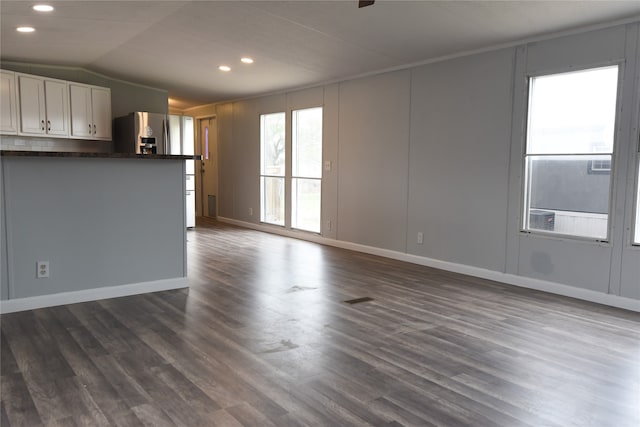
[510, 279]
[63, 298]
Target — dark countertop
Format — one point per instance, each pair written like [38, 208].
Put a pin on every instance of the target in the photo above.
[11, 153]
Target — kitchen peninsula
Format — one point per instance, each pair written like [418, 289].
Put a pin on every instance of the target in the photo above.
[107, 224]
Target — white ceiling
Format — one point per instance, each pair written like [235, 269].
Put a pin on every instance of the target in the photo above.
[178, 45]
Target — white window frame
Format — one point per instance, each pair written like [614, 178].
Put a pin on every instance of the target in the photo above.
[524, 196]
[293, 177]
[264, 176]
[288, 177]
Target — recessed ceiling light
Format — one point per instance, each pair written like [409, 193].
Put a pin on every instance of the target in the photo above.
[43, 8]
[25, 29]
[224, 68]
[247, 60]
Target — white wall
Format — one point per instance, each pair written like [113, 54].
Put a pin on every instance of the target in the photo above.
[438, 149]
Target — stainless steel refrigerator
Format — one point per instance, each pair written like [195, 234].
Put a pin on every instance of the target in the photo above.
[154, 133]
[141, 133]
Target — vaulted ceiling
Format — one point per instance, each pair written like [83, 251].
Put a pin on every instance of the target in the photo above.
[178, 45]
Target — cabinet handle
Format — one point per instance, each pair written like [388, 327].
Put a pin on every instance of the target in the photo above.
[42, 124]
[94, 130]
[48, 124]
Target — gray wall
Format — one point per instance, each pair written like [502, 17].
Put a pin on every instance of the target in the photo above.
[460, 124]
[438, 149]
[374, 157]
[226, 150]
[99, 222]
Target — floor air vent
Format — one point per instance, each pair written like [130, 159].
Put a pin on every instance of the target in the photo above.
[358, 300]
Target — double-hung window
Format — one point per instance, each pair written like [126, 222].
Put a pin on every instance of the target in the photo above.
[569, 152]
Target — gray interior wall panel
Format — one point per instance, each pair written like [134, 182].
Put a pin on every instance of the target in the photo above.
[99, 222]
[459, 163]
[330, 178]
[630, 273]
[306, 98]
[583, 50]
[373, 153]
[581, 264]
[224, 120]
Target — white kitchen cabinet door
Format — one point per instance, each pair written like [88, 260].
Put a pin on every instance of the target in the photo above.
[8, 106]
[44, 106]
[90, 112]
[101, 112]
[31, 105]
[57, 107]
[81, 121]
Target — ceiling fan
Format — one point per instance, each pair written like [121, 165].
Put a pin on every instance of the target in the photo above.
[365, 3]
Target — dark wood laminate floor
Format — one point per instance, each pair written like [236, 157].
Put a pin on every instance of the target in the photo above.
[263, 338]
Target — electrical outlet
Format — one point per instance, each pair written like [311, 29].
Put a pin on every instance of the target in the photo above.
[328, 225]
[420, 238]
[42, 269]
[327, 165]
[250, 211]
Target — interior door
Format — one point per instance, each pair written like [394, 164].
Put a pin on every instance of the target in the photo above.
[208, 136]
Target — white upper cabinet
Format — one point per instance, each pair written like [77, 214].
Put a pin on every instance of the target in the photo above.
[43, 106]
[101, 108]
[90, 111]
[57, 107]
[8, 107]
[31, 105]
[81, 120]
